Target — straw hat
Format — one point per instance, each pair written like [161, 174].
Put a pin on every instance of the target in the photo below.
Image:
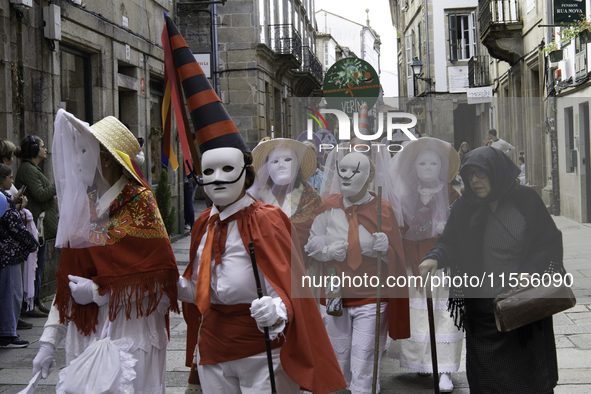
[305, 154]
[114, 136]
[412, 149]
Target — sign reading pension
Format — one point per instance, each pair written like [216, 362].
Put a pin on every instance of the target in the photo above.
[349, 83]
[569, 11]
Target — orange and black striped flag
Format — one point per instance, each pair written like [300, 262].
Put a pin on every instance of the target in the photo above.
[213, 126]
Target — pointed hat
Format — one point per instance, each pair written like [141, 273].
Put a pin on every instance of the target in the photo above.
[213, 126]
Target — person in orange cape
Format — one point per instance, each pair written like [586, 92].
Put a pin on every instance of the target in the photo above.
[219, 286]
[117, 271]
[345, 237]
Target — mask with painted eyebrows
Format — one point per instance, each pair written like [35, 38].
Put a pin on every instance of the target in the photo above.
[353, 172]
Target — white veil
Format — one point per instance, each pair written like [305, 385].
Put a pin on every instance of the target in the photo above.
[424, 222]
[76, 168]
[379, 155]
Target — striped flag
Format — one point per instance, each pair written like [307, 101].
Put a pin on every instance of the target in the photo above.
[170, 38]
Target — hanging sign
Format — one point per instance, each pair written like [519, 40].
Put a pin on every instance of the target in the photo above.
[569, 11]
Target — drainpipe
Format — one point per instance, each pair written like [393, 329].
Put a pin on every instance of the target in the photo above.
[551, 120]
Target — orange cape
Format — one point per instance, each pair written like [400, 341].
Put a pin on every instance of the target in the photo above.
[307, 355]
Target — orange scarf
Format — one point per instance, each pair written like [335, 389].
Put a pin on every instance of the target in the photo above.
[136, 259]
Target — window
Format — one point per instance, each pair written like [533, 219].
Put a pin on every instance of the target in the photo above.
[326, 57]
[462, 33]
[75, 89]
[419, 42]
[262, 20]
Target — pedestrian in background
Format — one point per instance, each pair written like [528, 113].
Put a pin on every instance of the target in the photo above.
[498, 143]
[41, 195]
[15, 245]
[499, 227]
[522, 180]
[464, 148]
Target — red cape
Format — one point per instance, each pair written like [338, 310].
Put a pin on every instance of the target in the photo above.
[399, 312]
[307, 355]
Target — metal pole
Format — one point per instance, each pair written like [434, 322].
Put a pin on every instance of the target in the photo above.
[376, 350]
[267, 338]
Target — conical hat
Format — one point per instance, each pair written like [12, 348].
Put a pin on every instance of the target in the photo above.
[213, 126]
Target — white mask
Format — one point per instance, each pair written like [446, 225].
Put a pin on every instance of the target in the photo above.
[283, 166]
[428, 166]
[223, 165]
[353, 173]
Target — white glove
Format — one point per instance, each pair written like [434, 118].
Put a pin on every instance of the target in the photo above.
[337, 251]
[380, 242]
[264, 311]
[81, 289]
[44, 360]
[315, 245]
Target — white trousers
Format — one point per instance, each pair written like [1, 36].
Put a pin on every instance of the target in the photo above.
[353, 338]
[248, 375]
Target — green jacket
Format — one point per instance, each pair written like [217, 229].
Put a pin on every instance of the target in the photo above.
[40, 193]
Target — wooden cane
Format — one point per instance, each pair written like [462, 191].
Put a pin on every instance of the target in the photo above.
[267, 337]
[376, 350]
[432, 337]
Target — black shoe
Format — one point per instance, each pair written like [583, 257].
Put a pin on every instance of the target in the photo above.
[23, 325]
[35, 312]
[13, 342]
[43, 309]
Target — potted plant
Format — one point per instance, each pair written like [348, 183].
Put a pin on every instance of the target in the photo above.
[554, 53]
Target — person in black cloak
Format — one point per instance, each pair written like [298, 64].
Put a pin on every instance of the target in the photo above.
[499, 227]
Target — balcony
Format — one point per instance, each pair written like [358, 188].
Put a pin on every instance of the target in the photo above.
[478, 71]
[286, 43]
[309, 74]
[501, 27]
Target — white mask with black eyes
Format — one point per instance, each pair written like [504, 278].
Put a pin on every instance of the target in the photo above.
[353, 172]
[223, 165]
[283, 166]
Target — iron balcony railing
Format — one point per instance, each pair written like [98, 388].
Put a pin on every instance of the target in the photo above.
[497, 12]
[478, 71]
[286, 40]
[311, 64]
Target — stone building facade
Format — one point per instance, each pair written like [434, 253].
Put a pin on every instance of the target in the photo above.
[95, 59]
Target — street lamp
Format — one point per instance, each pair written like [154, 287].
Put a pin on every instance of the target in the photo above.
[416, 67]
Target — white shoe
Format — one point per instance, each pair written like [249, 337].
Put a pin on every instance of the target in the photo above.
[187, 227]
[445, 384]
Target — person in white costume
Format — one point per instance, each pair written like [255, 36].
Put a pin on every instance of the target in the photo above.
[344, 251]
[115, 264]
[422, 173]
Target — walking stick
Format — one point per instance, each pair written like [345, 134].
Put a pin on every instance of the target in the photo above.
[376, 350]
[432, 337]
[267, 338]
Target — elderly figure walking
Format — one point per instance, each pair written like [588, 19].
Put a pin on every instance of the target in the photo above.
[499, 227]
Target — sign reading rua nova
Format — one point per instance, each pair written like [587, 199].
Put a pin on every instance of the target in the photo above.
[569, 11]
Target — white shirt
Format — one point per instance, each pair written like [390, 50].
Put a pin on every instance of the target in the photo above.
[290, 203]
[503, 146]
[333, 224]
[232, 281]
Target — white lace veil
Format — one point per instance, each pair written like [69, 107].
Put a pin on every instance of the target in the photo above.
[379, 155]
[264, 187]
[76, 169]
[424, 221]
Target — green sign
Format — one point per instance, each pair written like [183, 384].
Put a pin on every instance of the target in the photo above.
[569, 11]
[349, 83]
